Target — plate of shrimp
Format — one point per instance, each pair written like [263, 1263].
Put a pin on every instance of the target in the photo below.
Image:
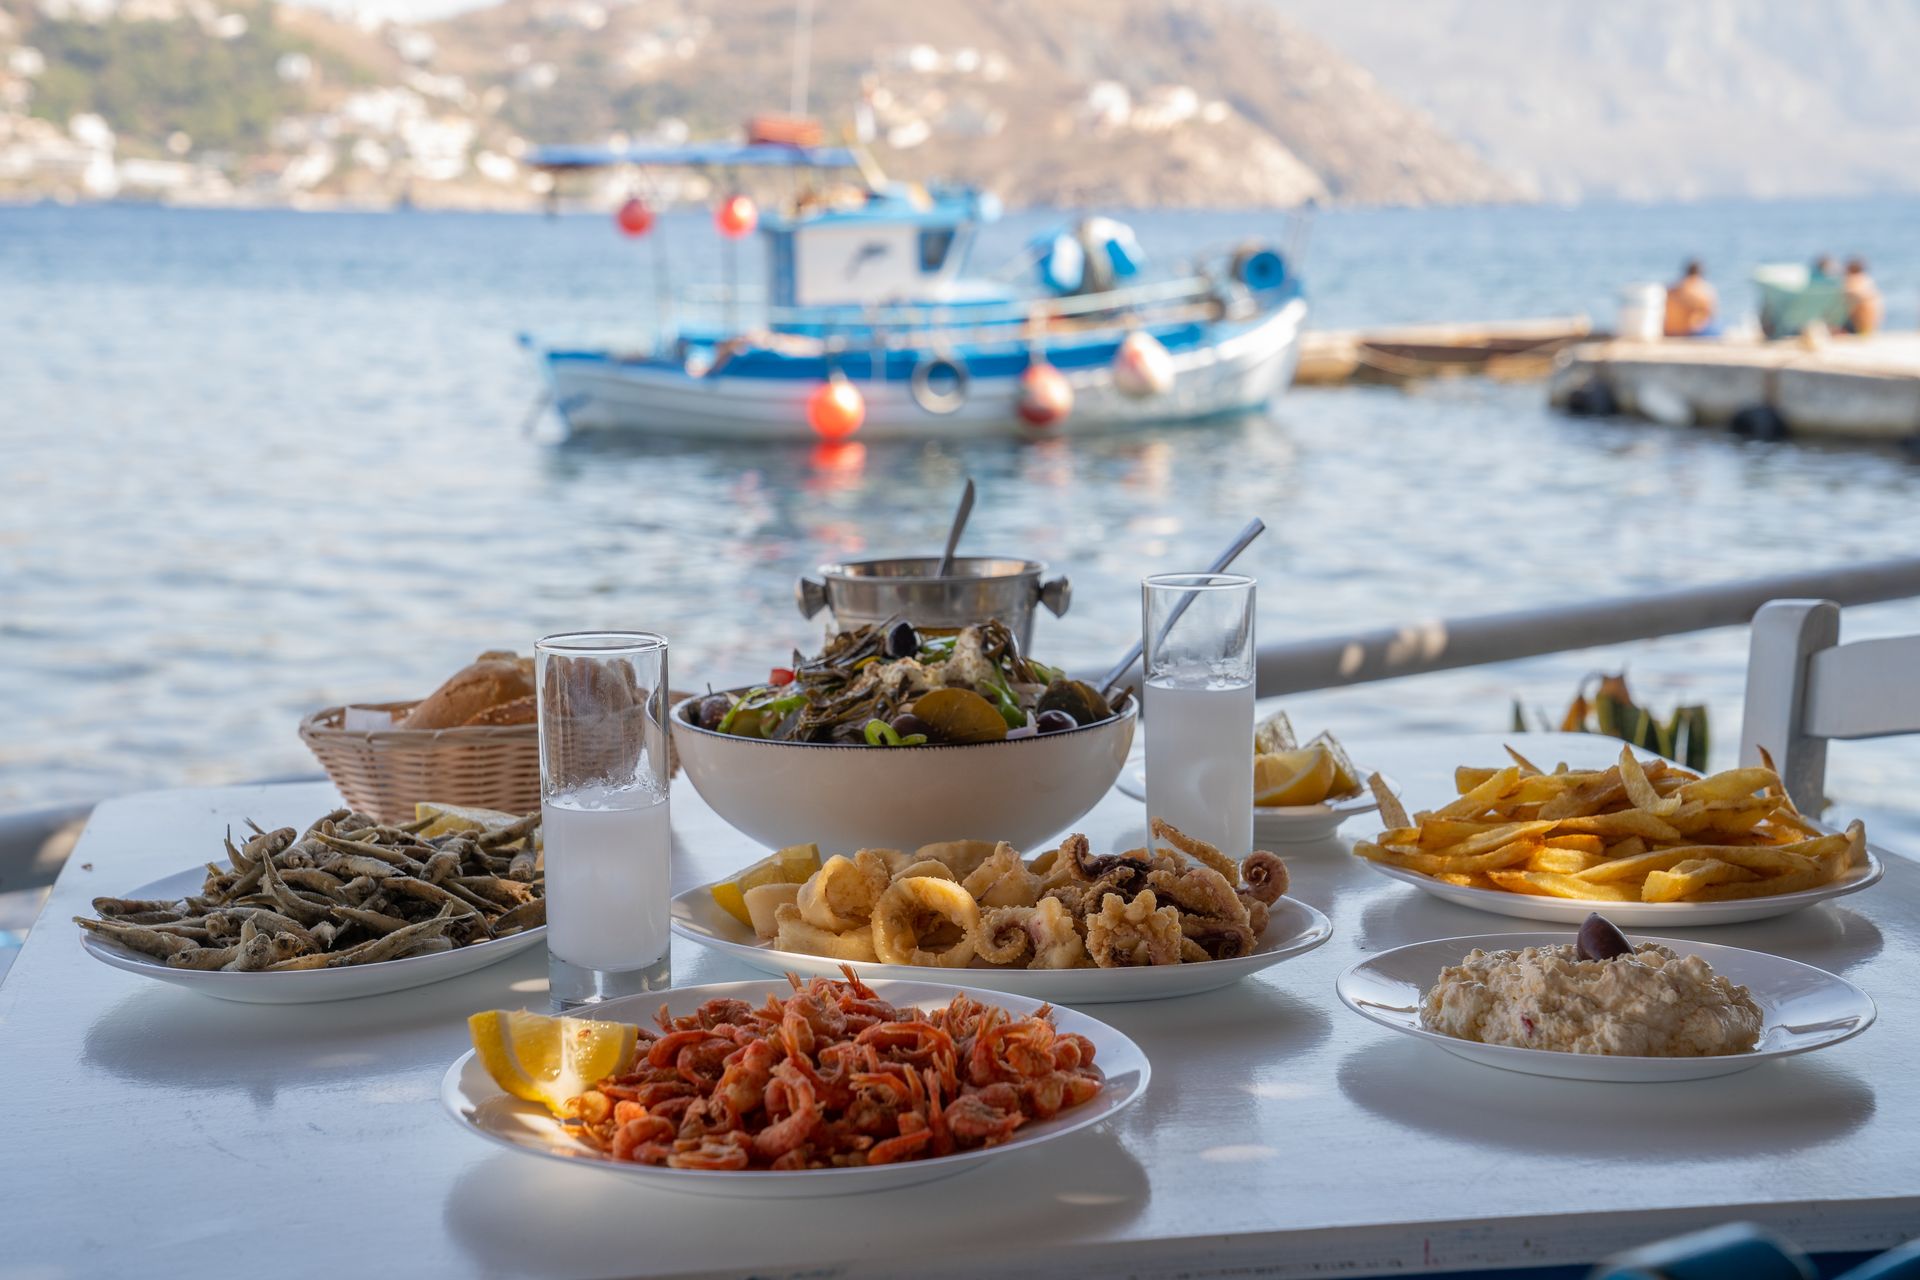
[792, 1088]
[1068, 925]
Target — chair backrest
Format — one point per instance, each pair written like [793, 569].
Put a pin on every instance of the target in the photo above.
[1805, 687]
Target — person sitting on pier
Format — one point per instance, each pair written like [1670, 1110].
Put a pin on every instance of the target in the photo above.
[1691, 304]
[1864, 307]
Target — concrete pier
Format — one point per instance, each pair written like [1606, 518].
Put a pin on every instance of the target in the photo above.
[1836, 387]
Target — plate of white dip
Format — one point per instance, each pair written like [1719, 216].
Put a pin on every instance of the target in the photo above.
[1674, 1010]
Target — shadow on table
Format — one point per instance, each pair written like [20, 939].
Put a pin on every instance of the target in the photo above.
[594, 1222]
[1825, 935]
[165, 1036]
[1802, 1104]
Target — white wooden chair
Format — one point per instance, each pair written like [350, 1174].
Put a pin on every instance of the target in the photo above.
[1805, 687]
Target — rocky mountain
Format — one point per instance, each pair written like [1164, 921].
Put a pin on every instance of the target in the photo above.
[1071, 102]
[1651, 99]
[1142, 102]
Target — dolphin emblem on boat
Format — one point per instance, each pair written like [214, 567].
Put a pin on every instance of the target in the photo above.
[871, 251]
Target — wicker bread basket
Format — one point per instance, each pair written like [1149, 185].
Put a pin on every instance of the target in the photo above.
[385, 772]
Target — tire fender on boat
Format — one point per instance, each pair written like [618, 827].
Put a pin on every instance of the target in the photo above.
[939, 403]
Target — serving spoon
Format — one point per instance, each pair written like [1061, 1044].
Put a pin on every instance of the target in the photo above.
[959, 524]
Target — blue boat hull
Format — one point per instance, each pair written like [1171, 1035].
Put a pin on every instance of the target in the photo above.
[761, 392]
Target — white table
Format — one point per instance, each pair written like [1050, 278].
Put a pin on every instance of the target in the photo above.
[150, 1130]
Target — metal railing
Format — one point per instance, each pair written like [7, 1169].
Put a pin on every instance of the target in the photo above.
[1443, 644]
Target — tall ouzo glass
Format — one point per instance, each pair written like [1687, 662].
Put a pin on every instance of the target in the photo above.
[1199, 705]
[604, 771]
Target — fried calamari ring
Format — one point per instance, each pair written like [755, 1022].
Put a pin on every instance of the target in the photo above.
[1257, 913]
[911, 908]
[1265, 876]
[837, 897]
[961, 857]
[793, 933]
[926, 867]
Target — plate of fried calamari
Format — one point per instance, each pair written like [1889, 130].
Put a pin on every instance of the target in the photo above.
[1646, 841]
[349, 907]
[776, 1089]
[1066, 925]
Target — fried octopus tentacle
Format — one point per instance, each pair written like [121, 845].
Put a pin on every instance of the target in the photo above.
[1265, 876]
[1141, 932]
[1199, 850]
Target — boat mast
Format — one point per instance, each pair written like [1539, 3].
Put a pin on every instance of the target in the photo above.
[802, 55]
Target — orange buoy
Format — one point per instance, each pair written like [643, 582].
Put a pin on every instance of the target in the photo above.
[1046, 397]
[1142, 367]
[634, 218]
[737, 216]
[836, 408]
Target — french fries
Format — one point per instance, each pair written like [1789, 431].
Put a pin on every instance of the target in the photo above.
[1640, 831]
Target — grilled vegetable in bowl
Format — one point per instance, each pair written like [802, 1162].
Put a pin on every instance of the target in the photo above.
[848, 795]
[892, 685]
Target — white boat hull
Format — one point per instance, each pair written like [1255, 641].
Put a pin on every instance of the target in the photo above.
[1241, 372]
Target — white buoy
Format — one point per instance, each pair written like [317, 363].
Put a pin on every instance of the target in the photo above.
[1142, 367]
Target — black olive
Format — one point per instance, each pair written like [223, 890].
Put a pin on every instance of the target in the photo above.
[908, 723]
[903, 641]
[1054, 722]
[1601, 939]
[711, 710]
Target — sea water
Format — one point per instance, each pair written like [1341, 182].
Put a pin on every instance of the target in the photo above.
[607, 858]
[1200, 758]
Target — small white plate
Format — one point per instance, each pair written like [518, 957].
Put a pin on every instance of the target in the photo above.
[481, 1107]
[1293, 929]
[1805, 1008]
[1277, 824]
[1638, 915]
[302, 986]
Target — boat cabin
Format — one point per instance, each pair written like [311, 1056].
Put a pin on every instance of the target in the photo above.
[901, 244]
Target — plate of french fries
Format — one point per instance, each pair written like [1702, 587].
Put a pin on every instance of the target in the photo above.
[1644, 840]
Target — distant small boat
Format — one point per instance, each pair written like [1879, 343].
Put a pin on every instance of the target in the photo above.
[872, 324]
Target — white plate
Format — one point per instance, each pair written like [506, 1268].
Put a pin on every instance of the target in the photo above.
[1638, 915]
[1277, 824]
[1293, 929]
[303, 986]
[1805, 1008]
[481, 1107]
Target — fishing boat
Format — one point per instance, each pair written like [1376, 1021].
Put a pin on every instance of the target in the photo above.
[871, 321]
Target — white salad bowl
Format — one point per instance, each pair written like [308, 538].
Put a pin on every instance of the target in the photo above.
[848, 797]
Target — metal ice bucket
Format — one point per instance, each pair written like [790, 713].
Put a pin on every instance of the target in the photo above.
[980, 587]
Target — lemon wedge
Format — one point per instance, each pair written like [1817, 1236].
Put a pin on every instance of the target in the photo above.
[1346, 778]
[550, 1060]
[1274, 735]
[448, 818]
[792, 865]
[1292, 777]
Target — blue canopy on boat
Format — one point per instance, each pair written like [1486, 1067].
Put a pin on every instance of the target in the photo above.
[768, 155]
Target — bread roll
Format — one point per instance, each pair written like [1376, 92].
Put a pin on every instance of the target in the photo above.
[522, 710]
[488, 682]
